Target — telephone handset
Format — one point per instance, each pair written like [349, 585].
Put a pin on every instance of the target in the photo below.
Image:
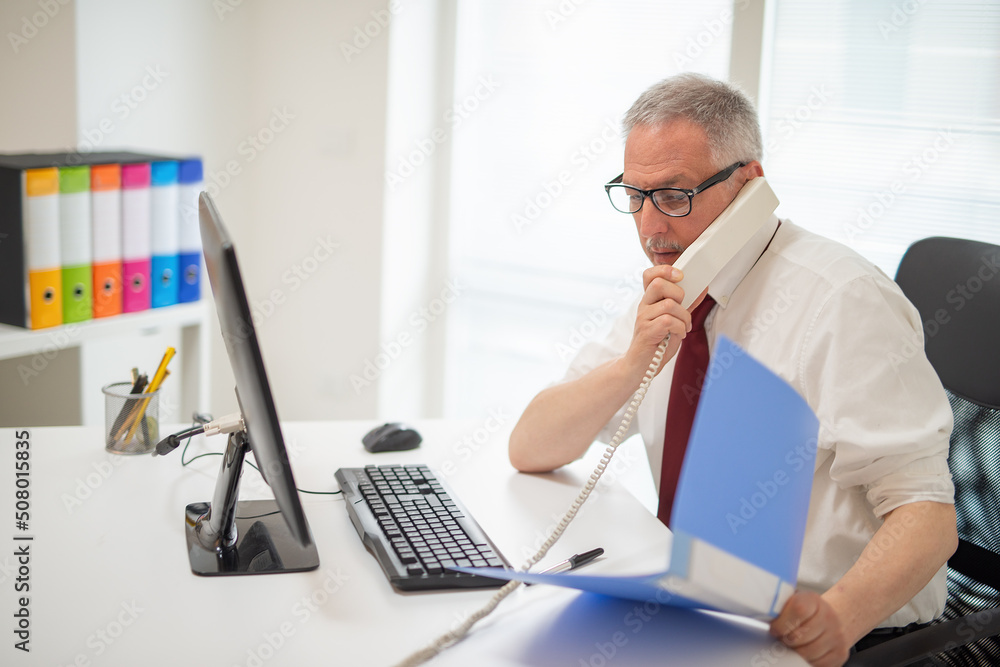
[701, 262]
[722, 239]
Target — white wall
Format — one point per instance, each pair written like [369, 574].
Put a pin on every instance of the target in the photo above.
[407, 370]
[189, 76]
[37, 77]
[318, 184]
[38, 114]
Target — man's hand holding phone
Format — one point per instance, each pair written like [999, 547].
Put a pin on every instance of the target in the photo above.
[660, 313]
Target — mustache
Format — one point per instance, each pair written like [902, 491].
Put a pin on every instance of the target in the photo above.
[660, 245]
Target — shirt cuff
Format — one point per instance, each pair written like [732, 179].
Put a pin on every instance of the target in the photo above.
[922, 480]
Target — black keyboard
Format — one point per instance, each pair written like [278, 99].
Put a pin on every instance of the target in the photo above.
[416, 528]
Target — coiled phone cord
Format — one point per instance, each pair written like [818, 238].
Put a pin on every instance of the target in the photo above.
[453, 636]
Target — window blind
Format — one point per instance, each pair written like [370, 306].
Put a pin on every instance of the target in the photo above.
[882, 120]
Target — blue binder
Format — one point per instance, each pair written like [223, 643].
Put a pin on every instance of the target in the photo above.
[164, 240]
[189, 178]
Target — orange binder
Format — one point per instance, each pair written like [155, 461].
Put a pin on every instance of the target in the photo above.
[41, 224]
[106, 202]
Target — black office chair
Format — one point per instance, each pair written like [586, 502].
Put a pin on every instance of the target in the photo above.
[955, 284]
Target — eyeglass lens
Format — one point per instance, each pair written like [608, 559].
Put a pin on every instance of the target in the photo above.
[629, 200]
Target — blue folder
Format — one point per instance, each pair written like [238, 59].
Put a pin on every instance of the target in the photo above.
[739, 516]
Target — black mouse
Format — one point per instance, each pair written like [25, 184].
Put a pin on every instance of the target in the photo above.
[391, 437]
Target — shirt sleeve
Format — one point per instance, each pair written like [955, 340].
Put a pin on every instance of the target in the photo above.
[595, 353]
[881, 406]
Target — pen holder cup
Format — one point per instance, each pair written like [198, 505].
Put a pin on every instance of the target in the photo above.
[131, 421]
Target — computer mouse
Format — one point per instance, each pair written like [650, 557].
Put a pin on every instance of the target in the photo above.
[391, 437]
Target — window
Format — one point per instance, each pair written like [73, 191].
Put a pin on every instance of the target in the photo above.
[544, 261]
[882, 121]
[881, 125]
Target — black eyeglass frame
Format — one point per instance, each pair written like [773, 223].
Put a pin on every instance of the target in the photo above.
[709, 182]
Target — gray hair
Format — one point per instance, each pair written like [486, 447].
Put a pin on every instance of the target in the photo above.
[723, 110]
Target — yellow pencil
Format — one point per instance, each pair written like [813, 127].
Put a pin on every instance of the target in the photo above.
[154, 384]
[138, 407]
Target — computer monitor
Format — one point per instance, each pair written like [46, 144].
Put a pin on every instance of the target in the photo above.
[229, 536]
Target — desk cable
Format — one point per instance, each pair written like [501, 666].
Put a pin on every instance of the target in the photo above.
[204, 424]
[454, 636]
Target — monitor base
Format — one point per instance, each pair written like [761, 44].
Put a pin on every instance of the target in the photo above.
[264, 545]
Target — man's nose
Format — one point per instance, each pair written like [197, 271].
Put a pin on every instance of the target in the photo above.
[651, 220]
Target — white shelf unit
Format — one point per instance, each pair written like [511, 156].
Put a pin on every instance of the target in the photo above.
[54, 376]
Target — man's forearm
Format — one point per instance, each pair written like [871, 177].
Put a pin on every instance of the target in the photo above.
[562, 421]
[912, 544]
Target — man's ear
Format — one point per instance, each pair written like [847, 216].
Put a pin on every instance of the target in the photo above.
[753, 170]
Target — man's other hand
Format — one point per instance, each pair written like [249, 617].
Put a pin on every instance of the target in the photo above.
[810, 626]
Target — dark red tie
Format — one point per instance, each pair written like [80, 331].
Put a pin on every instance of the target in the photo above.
[685, 389]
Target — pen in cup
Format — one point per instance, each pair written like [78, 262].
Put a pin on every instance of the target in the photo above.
[154, 384]
[121, 423]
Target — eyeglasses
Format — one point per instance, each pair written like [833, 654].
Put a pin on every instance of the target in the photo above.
[675, 202]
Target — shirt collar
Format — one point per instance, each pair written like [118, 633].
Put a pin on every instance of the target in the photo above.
[733, 273]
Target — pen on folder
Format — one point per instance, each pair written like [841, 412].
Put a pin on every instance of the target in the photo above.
[573, 562]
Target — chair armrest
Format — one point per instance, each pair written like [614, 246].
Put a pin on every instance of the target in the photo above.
[976, 562]
[937, 638]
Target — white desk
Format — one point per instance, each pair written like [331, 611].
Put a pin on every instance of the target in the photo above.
[110, 582]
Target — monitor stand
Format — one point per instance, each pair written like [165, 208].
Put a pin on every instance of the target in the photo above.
[228, 536]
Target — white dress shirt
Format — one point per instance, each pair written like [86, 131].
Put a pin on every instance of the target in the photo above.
[844, 336]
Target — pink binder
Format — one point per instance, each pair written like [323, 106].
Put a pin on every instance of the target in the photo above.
[135, 237]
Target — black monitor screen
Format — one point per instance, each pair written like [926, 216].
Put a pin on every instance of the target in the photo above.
[260, 417]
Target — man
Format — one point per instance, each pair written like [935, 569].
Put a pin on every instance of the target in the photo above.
[881, 521]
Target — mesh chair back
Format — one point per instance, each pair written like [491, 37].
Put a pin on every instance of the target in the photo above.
[955, 284]
[974, 460]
